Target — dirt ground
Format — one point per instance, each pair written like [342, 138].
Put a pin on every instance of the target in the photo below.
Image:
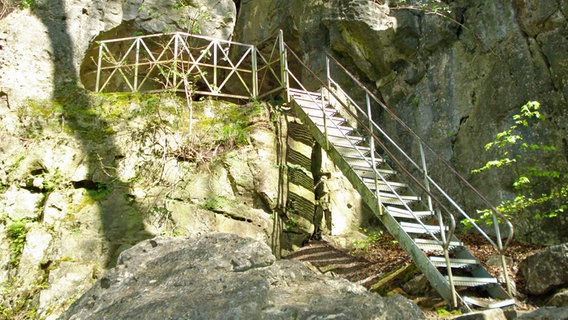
[370, 262]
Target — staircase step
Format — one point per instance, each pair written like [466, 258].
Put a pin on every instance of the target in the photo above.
[344, 140]
[396, 186]
[403, 213]
[316, 111]
[330, 121]
[389, 198]
[409, 227]
[471, 281]
[295, 92]
[366, 172]
[336, 130]
[362, 162]
[489, 304]
[434, 245]
[352, 151]
[301, 98]
[455, 263]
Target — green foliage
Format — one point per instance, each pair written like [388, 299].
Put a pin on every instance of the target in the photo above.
[290, 223]
[443, 312]
[102, 191]
[16, 232]
[29, 4]
[415, 101]
[194, 16]
[372, 239]
[216, 203]
[539, 187]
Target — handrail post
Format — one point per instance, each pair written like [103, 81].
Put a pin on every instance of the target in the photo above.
[426, 181]
[215, 48]
[328, 71]
[501, 254]
[325, 132]
[371, 147]
[254, 71]
[136, 64]
[283, 63]
[99, 66]
[446, 243]
[176, 53]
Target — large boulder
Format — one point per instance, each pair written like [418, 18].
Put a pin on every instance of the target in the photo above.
[217, 276]
[545, 313]
[546, 270]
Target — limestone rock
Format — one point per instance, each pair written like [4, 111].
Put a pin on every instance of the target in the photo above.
[219, 275]
[490, 314]
[66, 282]
[20, 203]
[546, 270]
[559, 299]
[545, 313]
[38, 64]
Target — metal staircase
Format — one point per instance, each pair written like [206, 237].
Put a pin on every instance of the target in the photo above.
[418, 229]
[393, 182]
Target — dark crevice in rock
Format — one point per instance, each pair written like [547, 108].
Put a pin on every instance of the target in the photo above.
[86, 184]
[232, 181]
[234, 216]
[565, 145]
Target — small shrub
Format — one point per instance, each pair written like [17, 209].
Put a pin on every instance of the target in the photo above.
[16, 232]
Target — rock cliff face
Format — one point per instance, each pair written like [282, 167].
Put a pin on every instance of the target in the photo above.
[69, 204]
[38, 64]
[456, 79]
[220, 276]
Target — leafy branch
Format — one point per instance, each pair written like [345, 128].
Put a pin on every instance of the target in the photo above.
[540, 189]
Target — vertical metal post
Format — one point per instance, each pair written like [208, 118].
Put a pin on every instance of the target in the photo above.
[283, 64]
[445, 245]
[215, 48]
[136, 64]
[99, 66]
[176, 53]
[501, 255]
[372, 149]
[426, 181]
[325, 132]
[254, 73]
[327, 72]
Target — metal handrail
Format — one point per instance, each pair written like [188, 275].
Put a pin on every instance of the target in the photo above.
[371, 131]
[499, 245]
[439, 158]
